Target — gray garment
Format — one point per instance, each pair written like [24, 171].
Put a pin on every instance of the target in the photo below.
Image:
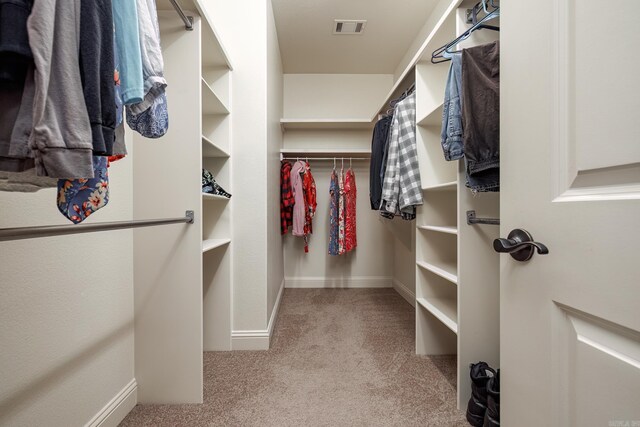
[25, 182]
[152, 62]
[119, 146]
[481, 106]
[451, 135]
[402, 187]
[61, 137]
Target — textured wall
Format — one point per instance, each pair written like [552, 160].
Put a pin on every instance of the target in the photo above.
[66, 310]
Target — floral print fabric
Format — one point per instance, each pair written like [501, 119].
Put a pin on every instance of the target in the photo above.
[350, 239]
[79, 198]
[334, 195]
[341, 217]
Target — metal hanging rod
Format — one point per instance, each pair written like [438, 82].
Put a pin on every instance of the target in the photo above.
[472, 219]
[188, 20]
[326, 158]
[21, 233]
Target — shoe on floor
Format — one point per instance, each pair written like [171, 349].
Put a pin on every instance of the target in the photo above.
[477, 407]
[492, 416]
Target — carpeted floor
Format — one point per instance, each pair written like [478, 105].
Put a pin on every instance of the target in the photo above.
[339, 357]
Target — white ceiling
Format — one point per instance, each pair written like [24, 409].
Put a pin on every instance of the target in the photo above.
[307, 44]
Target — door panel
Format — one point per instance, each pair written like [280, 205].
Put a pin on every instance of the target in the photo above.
[597, 100]
[570, 175]
[601, 362]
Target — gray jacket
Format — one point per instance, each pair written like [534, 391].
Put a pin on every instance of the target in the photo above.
[61, 137]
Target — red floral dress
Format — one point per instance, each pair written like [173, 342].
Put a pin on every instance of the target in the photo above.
[350, 193]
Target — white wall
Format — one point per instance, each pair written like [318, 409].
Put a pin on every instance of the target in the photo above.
[66, 310]
[346, 96]
[369, 265]
[275, 259]
[243, 28]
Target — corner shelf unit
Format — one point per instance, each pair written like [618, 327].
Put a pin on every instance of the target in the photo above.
[457, 271]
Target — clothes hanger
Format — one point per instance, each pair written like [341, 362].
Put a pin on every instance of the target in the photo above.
[443, 53]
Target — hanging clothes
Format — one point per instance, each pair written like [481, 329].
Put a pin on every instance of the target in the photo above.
[451, 134]
[310, 203]
[61, 143]
[350, 237]
[402, 188]
[334, 196]
[96, 70]
[286, 198]
[481, 116]
[79, 198]
[127, 48]
[299, 213]
[341, 214]
[376, 172]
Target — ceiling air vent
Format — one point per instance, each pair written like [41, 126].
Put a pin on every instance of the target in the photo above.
[348, 26]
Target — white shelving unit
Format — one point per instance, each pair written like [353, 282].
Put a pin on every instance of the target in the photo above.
[210, 244]
[326, 124]
[457, 271]
[214, 197]
[182, 277]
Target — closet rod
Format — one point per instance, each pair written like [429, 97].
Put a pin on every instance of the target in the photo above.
[472, 219]
[20, 233]
[325, 158]
[188, 20]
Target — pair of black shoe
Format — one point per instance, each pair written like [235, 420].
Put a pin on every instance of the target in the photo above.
[483, 409]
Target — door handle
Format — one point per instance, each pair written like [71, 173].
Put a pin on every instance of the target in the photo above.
[520, 245]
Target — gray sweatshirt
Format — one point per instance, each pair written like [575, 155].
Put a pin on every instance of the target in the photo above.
[61, 137]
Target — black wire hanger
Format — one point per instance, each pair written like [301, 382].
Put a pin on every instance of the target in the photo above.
[443, 53]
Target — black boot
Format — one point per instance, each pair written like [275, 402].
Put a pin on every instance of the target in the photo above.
[477, 407]
[492, 416]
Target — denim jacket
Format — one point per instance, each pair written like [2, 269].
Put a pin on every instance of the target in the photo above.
[451, 137]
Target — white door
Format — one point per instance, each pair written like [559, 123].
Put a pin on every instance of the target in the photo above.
[570, 164]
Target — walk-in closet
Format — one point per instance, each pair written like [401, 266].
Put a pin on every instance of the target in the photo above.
[319, 213]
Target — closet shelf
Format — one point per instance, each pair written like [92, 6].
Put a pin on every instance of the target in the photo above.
[310, 153]
[206, 196]
[211, 149]
[325, 124]
[447, 271]
[444, 309]
[432, 118]
[439, 229]
[210, 244]
[447, 186]
[211, 102]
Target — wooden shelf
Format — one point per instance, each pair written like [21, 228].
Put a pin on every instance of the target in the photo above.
[211, 244]
[443, 309]
[439, 229]
[325, 124]
[310, 153]
[432, 118]
[447, 186]
[447, 271]
[211, 103]
[206, 196]
[211, 149]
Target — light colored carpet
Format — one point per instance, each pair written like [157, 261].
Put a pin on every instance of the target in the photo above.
[339, 357]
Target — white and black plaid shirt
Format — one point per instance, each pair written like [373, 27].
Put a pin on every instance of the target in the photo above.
[401, 188]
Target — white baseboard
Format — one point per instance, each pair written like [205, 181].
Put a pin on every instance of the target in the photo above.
[258, 339]
[118, 408]
[405, 292]
[339, 282]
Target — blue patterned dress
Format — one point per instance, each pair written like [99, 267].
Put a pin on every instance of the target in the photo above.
[334, 197]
